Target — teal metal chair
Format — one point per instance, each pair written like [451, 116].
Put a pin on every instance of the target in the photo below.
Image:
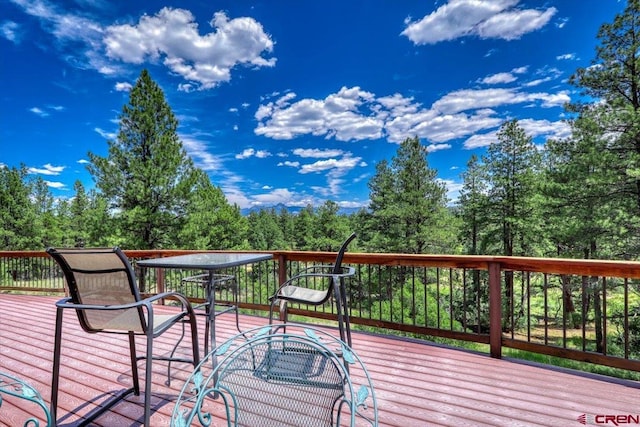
[18, 392]
[105, 297]
[269, 377]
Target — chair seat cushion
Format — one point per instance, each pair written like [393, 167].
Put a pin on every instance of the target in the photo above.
[303, 295]
[129, 320]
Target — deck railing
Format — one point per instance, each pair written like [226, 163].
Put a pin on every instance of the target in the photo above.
[586, 310]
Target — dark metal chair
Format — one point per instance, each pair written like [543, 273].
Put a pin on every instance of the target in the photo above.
[272, 377]
[104, 294]
[315, 285]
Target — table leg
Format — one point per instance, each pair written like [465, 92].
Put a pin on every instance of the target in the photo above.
[211, 314]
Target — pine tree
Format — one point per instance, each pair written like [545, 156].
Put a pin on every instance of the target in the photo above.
[613, 81]
[147, 175]
[408, 204]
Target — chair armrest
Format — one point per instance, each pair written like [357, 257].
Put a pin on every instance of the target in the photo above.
[309, 273]
[324, 271]
[65, 303]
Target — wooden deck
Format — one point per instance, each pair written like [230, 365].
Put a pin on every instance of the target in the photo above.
[416, 383]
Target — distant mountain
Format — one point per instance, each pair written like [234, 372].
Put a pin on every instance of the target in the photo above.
[292, 209]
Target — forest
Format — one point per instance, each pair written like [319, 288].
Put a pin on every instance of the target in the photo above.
[573, 198]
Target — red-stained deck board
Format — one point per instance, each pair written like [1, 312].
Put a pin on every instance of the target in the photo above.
[416, 383]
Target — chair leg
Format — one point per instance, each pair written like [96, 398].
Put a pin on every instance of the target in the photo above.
[284, 311]
[194, 338]
[207, 311]
[147, 378]
[134, 364]
[235, 291]
[271, 311]
[55, 375]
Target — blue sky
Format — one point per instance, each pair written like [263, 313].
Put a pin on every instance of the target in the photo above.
[289, 101]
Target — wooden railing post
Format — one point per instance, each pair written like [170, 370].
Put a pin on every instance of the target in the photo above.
[495, 311]
[160, 280]
[282, 269]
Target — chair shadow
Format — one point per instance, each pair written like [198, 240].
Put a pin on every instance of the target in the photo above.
[162, 399]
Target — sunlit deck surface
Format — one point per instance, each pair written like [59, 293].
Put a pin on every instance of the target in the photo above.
[416, 383]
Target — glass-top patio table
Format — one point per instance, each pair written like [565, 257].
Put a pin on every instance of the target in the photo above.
[210, 262]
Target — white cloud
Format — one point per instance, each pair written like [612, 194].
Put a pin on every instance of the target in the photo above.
[172, 35]
[498, 19]
[472, 99]
[337, 116]
[480, 140]
[345, 163]
[457, 114]
[317, 153]
[45, 112]
[250, 152]
[47, 169]
[123, 86]
[499, 78]
[289, 163]
[566, 57]
[432, 148]
[505, 77]
[39, 112]
[546, 128]
[453, 189]
[282, 196]
[106, 135]
[533, 128]
[198, 151]
[55, 184]
[514, 24]
[11, 31]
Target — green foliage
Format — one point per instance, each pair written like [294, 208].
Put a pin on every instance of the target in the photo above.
[210, 222]
[513, 216]
[147, 176]
[18, 217]
[408, 212]
[415, 302]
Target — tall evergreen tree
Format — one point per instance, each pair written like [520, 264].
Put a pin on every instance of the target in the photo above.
[147, 175]
[513, 170]
[514, 214]
[408, 204]
[102, 228]
[211, 222]
[472, 205]
[49, 223]
[79, 212]
[613, 80]
[18, 228]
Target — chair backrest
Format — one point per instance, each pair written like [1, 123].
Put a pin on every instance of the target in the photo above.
[276, 379]
[337, 267]
[104, 277]
[279, 381]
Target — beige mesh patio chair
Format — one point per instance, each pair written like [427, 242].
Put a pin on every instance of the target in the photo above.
[315, 285]
[105, 296]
